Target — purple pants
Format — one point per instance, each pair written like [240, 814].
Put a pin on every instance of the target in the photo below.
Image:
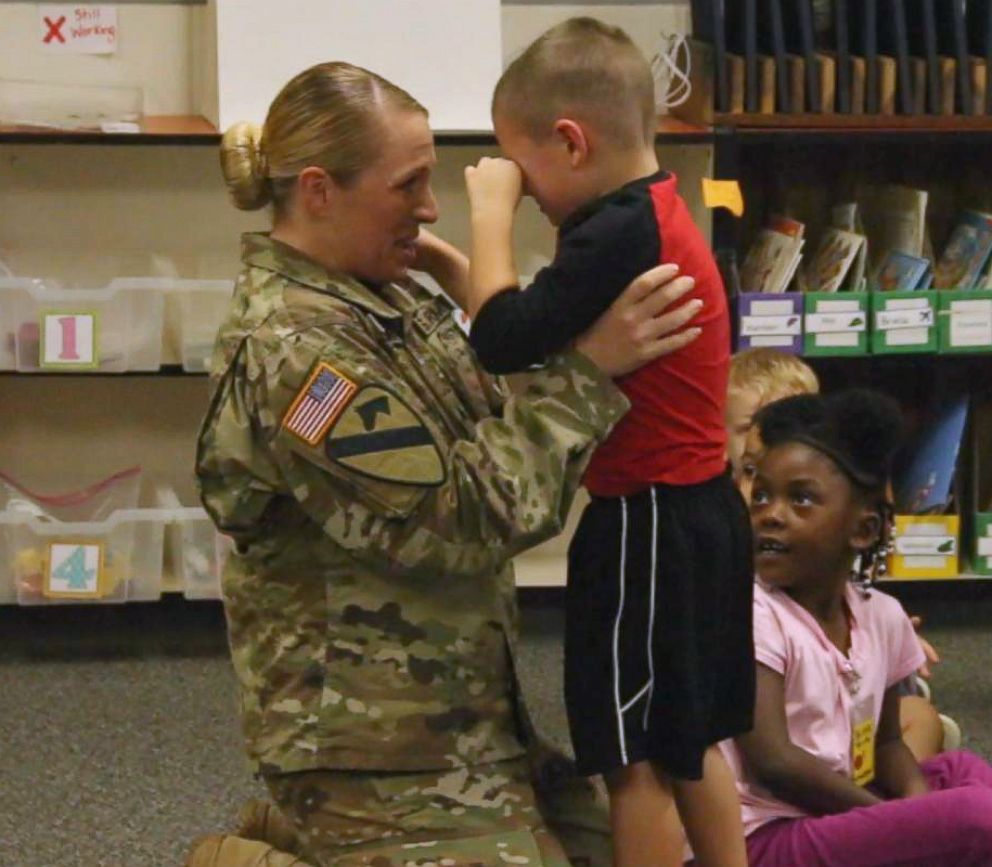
[950, 826]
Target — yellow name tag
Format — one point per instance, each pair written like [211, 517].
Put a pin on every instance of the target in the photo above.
[863, 753]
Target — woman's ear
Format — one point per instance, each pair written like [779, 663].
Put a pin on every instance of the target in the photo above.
[315, 191]
[573, 136]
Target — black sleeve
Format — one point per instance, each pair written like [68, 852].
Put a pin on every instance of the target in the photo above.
[595, 262]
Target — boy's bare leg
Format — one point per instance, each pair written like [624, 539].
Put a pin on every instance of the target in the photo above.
[646, 830]
[921, 727]
[711, 814]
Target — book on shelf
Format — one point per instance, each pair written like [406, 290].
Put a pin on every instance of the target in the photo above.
[742, 42]
[773, 258]
[979, 27]
[952, 42]
[893, 42]
[967, 253]
[902, 272]
[842, 48]
[895, 219]
[922, 23]
[924, 482]
[800, 42]
[833, 266]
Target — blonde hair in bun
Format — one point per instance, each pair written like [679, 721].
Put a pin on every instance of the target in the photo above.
[245, 167]
[328, 116]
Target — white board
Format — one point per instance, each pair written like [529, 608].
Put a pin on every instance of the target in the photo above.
[446, 53]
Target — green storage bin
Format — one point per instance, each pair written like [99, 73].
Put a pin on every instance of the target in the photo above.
[836, 323]
[964, 320]
[903, 322]
[982, 557]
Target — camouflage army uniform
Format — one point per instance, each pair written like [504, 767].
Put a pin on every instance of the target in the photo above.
[377, 483]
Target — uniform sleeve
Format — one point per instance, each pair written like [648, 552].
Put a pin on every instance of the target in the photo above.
[390, 492]
[904, 652]
[770, 648]
[593, 264]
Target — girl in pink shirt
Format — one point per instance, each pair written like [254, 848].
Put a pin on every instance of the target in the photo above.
[824, 778]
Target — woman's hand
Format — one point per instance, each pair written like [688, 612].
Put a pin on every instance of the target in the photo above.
[445, 263]
[635, 329]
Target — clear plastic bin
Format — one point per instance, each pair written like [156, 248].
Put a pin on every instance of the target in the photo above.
[203, 306]
[109, 330]
[111, 561]
[197, 551]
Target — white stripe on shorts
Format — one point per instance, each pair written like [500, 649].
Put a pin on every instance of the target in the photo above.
[654, 579]
[616, 631]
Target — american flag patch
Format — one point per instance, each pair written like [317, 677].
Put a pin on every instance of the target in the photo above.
[319, 402]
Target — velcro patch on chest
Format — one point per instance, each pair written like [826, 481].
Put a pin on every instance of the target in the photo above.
[320, 401]
[380, 436]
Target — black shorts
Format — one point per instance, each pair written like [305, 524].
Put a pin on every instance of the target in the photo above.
[659, 656]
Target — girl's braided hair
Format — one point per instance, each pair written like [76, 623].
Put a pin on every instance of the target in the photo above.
[860, 430]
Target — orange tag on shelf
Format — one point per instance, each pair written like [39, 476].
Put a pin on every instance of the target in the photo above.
[723, 194]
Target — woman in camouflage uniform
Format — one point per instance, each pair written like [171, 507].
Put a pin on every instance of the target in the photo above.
[377, 483]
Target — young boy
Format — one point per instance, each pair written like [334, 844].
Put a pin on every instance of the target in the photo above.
[658, 661]
[759, 377]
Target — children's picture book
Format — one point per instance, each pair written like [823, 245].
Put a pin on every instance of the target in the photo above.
[901, 272]
[831, 266]
[895, 219]
[924, 486]
[964, 258]
[772, 260]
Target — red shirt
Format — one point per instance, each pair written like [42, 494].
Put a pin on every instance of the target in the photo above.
[674, 432]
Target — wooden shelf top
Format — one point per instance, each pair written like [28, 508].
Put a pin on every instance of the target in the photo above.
[159, 129]
[852, 127]
[195, 130]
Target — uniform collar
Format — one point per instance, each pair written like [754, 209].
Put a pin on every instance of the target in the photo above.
[260, 250]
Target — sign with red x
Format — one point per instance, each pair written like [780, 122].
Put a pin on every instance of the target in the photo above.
[78, 29]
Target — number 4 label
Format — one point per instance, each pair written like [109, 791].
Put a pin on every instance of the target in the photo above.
[74, 571]
[69, 340]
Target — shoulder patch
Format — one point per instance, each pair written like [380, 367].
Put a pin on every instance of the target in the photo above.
[317, 405]
[381, 437]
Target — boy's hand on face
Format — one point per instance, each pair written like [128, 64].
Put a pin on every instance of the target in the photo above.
[494, 185]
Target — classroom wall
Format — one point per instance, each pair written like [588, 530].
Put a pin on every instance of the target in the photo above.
[85, 214]
[158, 43]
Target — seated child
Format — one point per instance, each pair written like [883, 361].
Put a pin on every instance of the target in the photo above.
[824, 778]
[658, 663]
[757, 378]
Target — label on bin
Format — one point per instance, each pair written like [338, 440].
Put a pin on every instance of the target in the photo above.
[888, 320]
[985, 547]
[74, 570]
[69, 340]
[971, 323]
[753, 326]
[922, 546]
[824, 323]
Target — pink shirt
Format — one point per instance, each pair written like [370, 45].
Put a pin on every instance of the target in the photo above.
[824, 689]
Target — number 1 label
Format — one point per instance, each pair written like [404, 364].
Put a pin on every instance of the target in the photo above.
[69, 340]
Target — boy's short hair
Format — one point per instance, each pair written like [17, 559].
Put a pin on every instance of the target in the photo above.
[769, 373]
[584, 69]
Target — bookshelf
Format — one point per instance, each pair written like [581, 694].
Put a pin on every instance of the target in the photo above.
[800, 165]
